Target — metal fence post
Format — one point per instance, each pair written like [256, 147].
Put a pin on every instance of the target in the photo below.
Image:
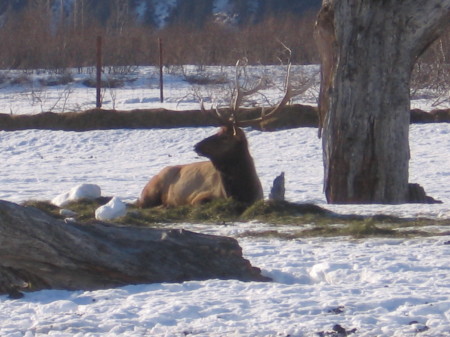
[161, 81]
[99, 72]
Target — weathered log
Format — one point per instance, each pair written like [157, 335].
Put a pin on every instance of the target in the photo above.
[38, 251]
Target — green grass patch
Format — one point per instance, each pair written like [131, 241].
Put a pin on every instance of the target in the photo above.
[84, 208]
[212, 212]
[288, 220]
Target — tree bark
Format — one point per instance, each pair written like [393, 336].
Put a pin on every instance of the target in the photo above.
[368, 49]
[41, 252]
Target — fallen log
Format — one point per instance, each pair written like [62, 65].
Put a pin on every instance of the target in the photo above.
[291, 116]
[38, 252]
[99, 119]
[434, 116]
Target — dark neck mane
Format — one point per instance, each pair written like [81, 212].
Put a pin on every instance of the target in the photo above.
[239, 177]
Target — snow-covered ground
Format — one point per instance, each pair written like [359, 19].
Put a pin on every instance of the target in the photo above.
[371, 287]
[23, 92]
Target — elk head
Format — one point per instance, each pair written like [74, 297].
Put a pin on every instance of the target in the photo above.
[228, 152]
[226, 144]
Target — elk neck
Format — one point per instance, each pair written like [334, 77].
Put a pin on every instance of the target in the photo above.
[239, 177]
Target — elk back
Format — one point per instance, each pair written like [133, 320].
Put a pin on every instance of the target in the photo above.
[188, 184]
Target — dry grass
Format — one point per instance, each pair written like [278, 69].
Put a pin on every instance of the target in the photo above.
[303, 220]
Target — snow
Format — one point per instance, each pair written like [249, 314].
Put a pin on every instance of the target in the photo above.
[25, 94]
[115, 208]
[83, 191]
[380, 287]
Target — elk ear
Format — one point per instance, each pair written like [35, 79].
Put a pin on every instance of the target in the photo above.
[228, 129]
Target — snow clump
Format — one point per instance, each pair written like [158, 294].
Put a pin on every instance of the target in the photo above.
[116, 208]
[83, 191]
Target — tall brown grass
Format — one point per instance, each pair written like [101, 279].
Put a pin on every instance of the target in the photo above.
[34, 39]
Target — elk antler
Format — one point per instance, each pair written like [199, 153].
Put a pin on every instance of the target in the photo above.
[240, 92]
[238, 95]
[288, 95]
[222, 119]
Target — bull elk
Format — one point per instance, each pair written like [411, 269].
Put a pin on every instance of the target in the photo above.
[229, 173]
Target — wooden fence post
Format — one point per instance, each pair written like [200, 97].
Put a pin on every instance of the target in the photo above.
[99, 72]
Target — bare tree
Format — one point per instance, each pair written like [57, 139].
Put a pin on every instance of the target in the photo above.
[368, 49]
[431, 74]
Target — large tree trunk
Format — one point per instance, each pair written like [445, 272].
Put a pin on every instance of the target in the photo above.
[368, 49]
[38, 251]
